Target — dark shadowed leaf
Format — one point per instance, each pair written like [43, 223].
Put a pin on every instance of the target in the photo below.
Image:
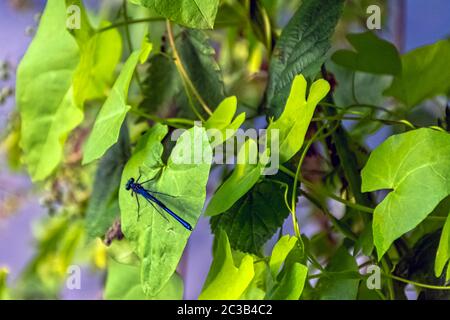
[301, 48]
[162, 83]
[339, 287]
[373, 55]
[198, 57]
[103, 206]
[254, 218]
[425, 74]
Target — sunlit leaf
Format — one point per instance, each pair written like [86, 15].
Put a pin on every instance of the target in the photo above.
[296, 117]
[159, 242]
[112, 114]
[4, 292]
[280, 252]
[291, 284]
[123, 283]
[416, 167]
[225, 280]
[222, 120]
[190, 13]
[246, 173]
[100, 55]
[45, 93]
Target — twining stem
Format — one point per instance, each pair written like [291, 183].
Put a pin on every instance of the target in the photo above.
[296, 178]
[359, 105]
[183, 73]
[174, 122]
[386, 121]
[129, 22]
[414, 283]
[311, 186]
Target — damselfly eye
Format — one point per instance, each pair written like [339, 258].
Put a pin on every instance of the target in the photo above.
[129, 184]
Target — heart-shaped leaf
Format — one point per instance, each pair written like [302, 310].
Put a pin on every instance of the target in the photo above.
[45, 93]
[373, 55]
[416, 167]
[159, 241]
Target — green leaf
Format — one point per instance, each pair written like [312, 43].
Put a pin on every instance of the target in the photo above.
[4, 292]
[291, 284]
[416, 167]
[419, 266]
[45, 93]
[221, 121]
[301, 48]
[344, 287]
[198, 58]
[100, 55]
[425, 74]
[123, 283]
[112, 114]
[159, 242]
[296, 117]
[254, 218]
[103, 205]
[280, 252]
[161, 84]
[225, 280]
[256, 290]
[122, 252]
[373, 55]
[198, 14]
[245, 174]
[443, 252]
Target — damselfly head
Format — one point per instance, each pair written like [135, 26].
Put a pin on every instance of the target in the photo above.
[129, 184]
